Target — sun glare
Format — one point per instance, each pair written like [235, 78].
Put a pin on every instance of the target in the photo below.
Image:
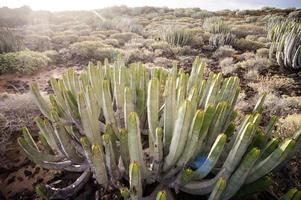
[60, 5]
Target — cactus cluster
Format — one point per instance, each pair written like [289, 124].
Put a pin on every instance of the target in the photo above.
[151, 126]
[216, 25]
[175, 36]
[286, 44]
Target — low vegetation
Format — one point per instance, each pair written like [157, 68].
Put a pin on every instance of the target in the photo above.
[22, 62]
[9, 42]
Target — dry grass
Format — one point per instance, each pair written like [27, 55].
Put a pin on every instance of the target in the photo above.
[288, 125]
[270, 83]
[17, 111]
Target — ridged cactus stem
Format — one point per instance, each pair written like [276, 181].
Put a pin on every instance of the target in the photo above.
[99, 165]
[239, 148]
[161, 195]
[238, 177]
[193, 138]
[266, 165]
[134, 143]
[108, 107]
[66, 140]
[180, 135]
[40, 101]
[152, 111]
[218, 190]
[128, 104]
[135, 181]
[158, 151]
[110, 157]
[212, 157]
[124, 148]
[169, 112]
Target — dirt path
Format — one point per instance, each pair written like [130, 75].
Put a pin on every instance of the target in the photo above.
[13, 83]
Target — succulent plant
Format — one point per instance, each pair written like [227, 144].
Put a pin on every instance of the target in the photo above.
[175, 36]
[286, 44]
[216, 25]
[151, 126]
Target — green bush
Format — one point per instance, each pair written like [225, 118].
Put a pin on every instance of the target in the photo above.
[93, 50]
[22, 62]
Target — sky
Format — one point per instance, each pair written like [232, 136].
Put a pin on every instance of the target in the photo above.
[59, 5]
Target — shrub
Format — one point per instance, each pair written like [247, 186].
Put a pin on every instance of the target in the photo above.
[222, 39]
[175, 36]
[123, 24]
[89, 38]
[202, 14]
[262, 52]
[127, 24]
[224, 51]
[53, 55]
[251, 19]
[22, 62]
[101, 34]
[254, 63]
[18, 111]
[123, 37]
[271, 84]
[247, 45]
[227, 66]
[37, 42]
[9, 42]
[139, 55]
[63, 39]
[216, 25]
[288, 124]
[138, 42]
[248, 29]
[93, 50]
[252, 74]
[282, 105]
[95, 120]
[112, 42]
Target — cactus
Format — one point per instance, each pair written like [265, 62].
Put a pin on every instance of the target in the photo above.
[286, 44]
[216, 25]
[175, 36]
[153, 126]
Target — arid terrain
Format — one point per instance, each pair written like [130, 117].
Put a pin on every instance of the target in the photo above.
[40, 44]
